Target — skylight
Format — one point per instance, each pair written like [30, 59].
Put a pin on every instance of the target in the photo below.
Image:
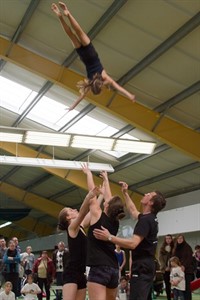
[14, 96]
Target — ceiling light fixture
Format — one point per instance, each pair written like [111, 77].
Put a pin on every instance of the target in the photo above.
[5, 224]
[53, 163]
[76, 141]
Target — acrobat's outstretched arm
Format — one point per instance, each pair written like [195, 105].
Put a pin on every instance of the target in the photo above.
[109, 81]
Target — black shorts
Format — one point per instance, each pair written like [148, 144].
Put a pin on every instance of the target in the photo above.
[76, 277]
[107, 276]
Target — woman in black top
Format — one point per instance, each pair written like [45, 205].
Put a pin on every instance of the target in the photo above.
[96, 74]
[74, 280]
[103, 277]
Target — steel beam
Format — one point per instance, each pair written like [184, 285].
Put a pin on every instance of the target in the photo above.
[168, 131]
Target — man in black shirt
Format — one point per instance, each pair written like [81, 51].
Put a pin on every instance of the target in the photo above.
[143, 243]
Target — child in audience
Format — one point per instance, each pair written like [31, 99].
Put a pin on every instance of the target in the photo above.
[177, 278]
[30, 289]
[7, 294]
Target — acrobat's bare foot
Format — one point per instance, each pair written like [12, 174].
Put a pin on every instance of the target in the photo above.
[56, 10]
[64, 8]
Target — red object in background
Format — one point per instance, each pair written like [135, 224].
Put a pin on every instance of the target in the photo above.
[195, 284]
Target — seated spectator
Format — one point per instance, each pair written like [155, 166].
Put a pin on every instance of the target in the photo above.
[30, 289]
[7, 293]
[123, 289]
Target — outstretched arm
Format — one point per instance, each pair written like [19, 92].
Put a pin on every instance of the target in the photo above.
[80, 98]
[108, 80]
[74, 226]
[107, 191]
[129, 203]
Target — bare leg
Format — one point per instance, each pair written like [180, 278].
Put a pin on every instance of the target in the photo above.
[84, 39]
[75, 41]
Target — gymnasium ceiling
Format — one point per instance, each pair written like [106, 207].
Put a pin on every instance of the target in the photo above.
[152, 48]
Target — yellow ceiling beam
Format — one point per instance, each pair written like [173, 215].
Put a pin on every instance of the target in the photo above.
[31, 200]
[75, 177]
[167, 130]
[10, 232]
[29, 225]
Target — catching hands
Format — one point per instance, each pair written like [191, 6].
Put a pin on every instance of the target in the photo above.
[124, 186]
[104, 175]
[85, 168]
[101, 234]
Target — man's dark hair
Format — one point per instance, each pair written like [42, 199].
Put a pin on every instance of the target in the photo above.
[159, 202]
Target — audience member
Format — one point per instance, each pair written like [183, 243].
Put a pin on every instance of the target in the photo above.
[121, 258]
[11, 260]
[185, 254]
[44, 268]
[177, 278]
[30, 289]
[16, 241]
[165, 254]
[60, 259]
[28, 259]
[3, 249]
[196, 259]
[7, 293]
[123, 289]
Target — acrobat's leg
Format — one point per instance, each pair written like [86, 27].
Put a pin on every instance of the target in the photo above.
[74, 39]
[83, 37]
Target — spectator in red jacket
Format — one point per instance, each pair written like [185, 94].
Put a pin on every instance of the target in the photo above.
[45, 272]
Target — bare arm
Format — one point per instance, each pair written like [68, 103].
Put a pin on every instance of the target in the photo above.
[115, 85]
[107, 191]
[129, 203]
[104, 235]
[74, 225]
[124, 260]
[80, 98]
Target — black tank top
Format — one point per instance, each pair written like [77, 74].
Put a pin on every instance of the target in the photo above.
[77, 250]
[90, 58]
[101, 253]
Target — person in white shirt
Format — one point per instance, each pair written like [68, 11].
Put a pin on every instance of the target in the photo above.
[7, 294]
[177, 278]
[30, 289]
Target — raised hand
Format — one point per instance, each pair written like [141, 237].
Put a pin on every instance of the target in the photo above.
[124, 186]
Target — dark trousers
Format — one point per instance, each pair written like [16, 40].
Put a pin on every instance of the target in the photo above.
[166, 277]
[141, 282]
[59, 281]
[42, 282]
[188, 278]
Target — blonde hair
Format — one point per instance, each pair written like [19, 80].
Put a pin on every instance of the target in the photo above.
[176, 260]
[8, 283]
[95, 85]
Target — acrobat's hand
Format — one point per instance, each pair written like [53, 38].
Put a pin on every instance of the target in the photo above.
[101, 234]
[132, 98]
